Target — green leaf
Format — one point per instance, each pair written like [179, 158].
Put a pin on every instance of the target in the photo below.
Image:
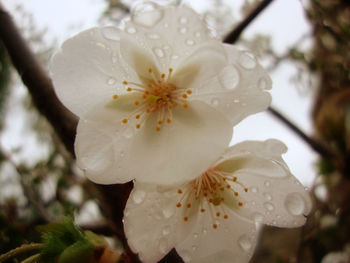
[79, 252]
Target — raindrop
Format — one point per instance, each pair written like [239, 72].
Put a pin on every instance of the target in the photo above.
[295, 204]
[236, 100]
[153, 36]
[146, 14]
[267, 183]
[257, 217]
[111, 81]
[197, 34]
[183, 20]
[182, 30]
[166, 230]
[267, 196]
[138, 196]
[195, 235]
[214, 102]
[168, 212]
[174, 56]
[166, 47]
[159, 52]
[245, 243]
[189, 42]
[111, 33]
[229, 77]
[163, 245]
[166, 25]
[254, 190]
[131, 30]
[269, 206]
[194, 248]
[247, 60]
[205, 231]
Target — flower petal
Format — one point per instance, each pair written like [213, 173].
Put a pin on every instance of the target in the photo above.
[239, 90]
[88, 69]
[233, 239]
[152, 223]
[112, 152]
[274, 196]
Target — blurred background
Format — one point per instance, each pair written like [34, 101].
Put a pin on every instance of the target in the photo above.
[305, 47]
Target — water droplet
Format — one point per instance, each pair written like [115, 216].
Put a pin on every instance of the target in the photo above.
[262, 84]
[131, 30]
[146, 14]
[247, 60]
[166, 47]
[236, 100]
[163, 245]
[245, 243]
[214, 102]
[153, 36]
[159, 52]
[111, 33]
[138, 196]
[174, 56]
[267, 196]
[166, 230]
[168, 211]
[166, 25]
[254, 190]
[295, 204]
[114, 59]
[267, 183]
[189, 42]
[205, 231]
[128, 132]
[183, 20]
[269, 206]
[186, 256]
[111, 81]
[197, 34]
[257, 217]
[229, 77]
[195, 235]
[194, 248]
[182, 30]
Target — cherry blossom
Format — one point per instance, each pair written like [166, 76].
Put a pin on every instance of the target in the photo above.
[215, 216]
[157, 97]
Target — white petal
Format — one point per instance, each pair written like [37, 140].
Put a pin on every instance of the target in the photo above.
[152, 222]
[112, 152]
[170, 33]
[274, 196]
[233, 240]
[88, 69]
[239, 90]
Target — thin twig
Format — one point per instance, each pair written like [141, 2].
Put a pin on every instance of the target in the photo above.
[234, 35]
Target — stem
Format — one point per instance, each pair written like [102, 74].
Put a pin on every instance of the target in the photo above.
[234, 35]
[20, 250]
[32, 259]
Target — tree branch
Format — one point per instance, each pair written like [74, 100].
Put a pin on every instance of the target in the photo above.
[234, 35]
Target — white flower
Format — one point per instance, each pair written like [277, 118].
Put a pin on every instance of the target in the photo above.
[214, 217]
[157, 99]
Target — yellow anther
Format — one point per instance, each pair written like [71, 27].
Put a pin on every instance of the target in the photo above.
[184, 96]
[188, 205]
[234, 179]
[125, 82]
[150, 70]
[125, 121]
[168, 120]
[136, 103]
[179, 191]
[160, 122]
[218, 214]
[202, 210]
[163, 76]
[215, 226]
[137, 116]
[189, 91]
[185, 218]
[148, 110]
[245, 189]
[158, 128]
[178, 205]
[225, 216]
[115, 96]
[138, 126]
[170, 70]
[185, 105]
[170, 106]
[236, 193]
[228, 186]
[129, 89]
[240, 203]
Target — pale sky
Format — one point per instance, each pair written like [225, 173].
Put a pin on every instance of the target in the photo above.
[284, 20]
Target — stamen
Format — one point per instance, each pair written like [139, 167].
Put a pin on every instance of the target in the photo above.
[125, 82]
[178, 204]
[125, 121]
[138, 126]
[129, 89]
[158, 128]
[185, 218]
[189, 92]
[115, 96]
[240, 203]
[215, 226]
[179, 191]
[185, 105]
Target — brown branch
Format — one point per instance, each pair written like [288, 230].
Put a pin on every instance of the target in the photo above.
[234, 35]
[315, 145]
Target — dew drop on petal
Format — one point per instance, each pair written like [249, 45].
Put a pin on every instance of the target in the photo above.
[197, 34]
[186, 256]
[189, 42]
[163, 245]
[214, 102]
[295, 204]
[267, 183]
[166, 230]
[146, 14]
[111, 81]
[183, 20]
[138, 196]
[262, 84]
[269, 206]
[195, 236]
[166, 25]
[267, 196]
[205, 231]
[168, 212]
[131, 30]
[159, 52]
[111, 33]
[174, 56]
[257, 217]
[183, 30]
[194, 248]
[245, 243]
[229, 77]
[247, 60]
[153, 36]
[128, 132]
[254, 190]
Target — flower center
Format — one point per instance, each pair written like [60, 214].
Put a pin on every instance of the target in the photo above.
[213, 192]
[157, 96]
